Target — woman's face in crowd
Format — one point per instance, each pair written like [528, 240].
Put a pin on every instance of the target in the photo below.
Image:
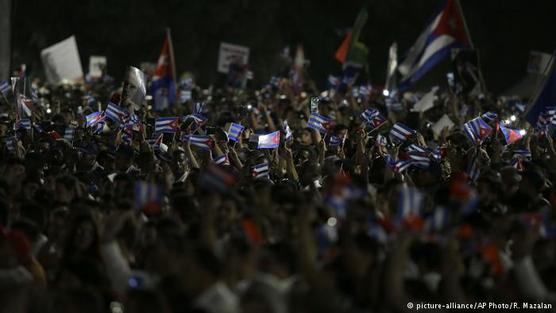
[85, 235]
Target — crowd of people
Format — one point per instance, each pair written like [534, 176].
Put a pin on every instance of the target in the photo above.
[278, 199]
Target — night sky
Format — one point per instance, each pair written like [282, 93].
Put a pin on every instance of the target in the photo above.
[130, 32]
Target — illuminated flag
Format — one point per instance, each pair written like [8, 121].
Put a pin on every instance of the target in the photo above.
[373, 118]
[94, 118]
[115, 113]
[400, 133]
[445, 32]
[163, 86]
[477, 130]
[201, 141]
[235, 131]
[511, 135]
[269, 141]
[167, 125]
[319, 122]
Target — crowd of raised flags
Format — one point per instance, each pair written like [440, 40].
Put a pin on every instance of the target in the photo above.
[312, 171]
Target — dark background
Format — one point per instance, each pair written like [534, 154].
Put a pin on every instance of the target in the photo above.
[131, 32]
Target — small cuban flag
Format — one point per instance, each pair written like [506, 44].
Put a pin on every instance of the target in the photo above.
[269, 141]
[167, 125]
[511, 135]
[69, 133]
[260, 170]
[319, 122]
[201, 141]
[115, 113]
[4, 87]
[235, 131]
[288, 131]
[477, 130]
[94, 118]
[400, 133]
[148, 197]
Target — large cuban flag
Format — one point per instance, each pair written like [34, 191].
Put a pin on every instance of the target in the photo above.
[447, 31]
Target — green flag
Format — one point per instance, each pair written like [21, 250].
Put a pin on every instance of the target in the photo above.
[357, 53]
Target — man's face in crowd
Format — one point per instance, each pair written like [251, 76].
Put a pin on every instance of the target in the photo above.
[305, 138]
[84, 235]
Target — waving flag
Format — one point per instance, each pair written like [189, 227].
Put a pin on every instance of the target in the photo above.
[319, 122]
[477, 130]
[400, 133]
[115, 113]
[435, 43]
[511, 135]
[269, 141]
[490, 117]
[167, 125]
[260, 170]
[235, 131]
[4, 87]
[94, 118]
[222, 160]
[373, 118]
[398, 166]
[335, 141]
[352, 51]
[201, 141]
[163, 86]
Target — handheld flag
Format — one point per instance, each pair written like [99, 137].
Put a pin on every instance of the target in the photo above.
[167, 125]
[446, 31]
[94, 118]
[477, 130]
[201, 141]
[400, 133]
[373, 118]
[4, 87]
[163, 86]
[319, 122]
[511, 135]
[288, 131]
[260, 171]
[235, 131]
[269, 141]
[115, 113]
[352, 51]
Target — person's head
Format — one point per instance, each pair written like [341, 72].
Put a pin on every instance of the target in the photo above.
[83, 236]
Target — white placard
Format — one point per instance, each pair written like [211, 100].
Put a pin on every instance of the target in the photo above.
[231, 53]
[426, 102]
[442, 123]
[96, 64]
[61, 62]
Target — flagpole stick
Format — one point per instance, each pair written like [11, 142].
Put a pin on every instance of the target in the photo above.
[471, 43]
[173, 63]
